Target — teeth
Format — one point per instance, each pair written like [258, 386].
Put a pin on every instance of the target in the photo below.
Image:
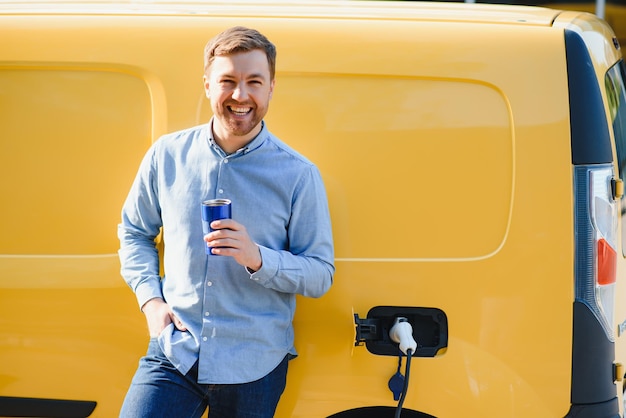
[240, 110]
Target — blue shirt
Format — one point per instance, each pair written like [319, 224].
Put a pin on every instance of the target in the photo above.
[239, 324]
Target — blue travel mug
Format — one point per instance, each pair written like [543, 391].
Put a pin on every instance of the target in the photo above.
[213, 210]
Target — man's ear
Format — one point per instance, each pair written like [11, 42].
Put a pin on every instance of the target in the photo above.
[272, 84]
[205, 82]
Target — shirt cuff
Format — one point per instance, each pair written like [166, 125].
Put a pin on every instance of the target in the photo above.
[269, 266]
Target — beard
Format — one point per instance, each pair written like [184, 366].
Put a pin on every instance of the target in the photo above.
[240, 127]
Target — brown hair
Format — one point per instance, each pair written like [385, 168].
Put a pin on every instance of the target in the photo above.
[239, 39]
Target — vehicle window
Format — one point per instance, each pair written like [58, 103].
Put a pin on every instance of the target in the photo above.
[616, 93]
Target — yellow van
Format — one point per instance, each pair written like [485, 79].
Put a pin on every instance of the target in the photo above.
[489, 140]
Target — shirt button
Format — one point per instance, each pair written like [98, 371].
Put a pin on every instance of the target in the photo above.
[221, 191]
[209, 283]
[204, 338]
[226, 161]
[206, 314]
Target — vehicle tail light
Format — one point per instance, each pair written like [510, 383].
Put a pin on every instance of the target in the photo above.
[596, 214]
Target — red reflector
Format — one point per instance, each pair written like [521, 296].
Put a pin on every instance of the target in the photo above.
[607, 263]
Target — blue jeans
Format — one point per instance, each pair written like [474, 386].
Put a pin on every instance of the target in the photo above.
[158, 389]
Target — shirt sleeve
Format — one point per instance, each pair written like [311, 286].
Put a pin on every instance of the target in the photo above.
[139, 227]
[307, 267]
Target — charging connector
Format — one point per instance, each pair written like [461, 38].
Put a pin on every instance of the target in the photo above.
[402, 333]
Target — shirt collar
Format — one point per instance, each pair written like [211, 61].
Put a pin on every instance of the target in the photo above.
[256, 142]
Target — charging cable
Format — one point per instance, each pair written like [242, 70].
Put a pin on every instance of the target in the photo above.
[402, 333]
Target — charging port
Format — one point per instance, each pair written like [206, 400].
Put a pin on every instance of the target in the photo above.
[430, 329]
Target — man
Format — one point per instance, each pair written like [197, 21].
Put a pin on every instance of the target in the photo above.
[221, 324]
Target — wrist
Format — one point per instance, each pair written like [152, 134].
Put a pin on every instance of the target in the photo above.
[257, 263]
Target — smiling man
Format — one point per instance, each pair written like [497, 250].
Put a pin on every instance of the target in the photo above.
[221, 323]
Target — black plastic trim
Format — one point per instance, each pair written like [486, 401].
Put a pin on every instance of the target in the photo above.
[593, 355]
[591, 142]
[608, 409]
[45, 408]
